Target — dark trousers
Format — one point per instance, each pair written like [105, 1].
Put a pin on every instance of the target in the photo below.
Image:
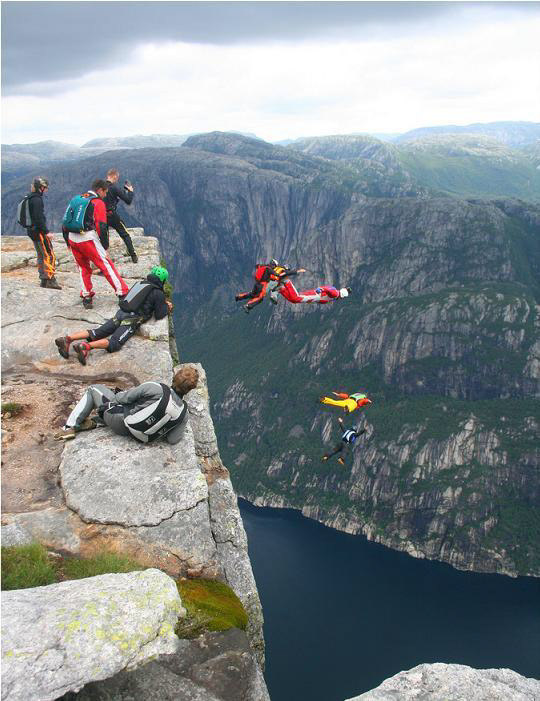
[46, 260]
[342, 447]
[114, 220]
[119, 329]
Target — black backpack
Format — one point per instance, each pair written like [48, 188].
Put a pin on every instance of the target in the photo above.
[23, 212]
[136, 296]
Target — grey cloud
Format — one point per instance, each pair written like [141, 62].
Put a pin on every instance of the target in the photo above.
[41, 41]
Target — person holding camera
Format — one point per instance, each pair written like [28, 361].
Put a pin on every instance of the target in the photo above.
[115, 193]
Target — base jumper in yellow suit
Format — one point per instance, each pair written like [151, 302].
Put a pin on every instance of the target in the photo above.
[348, 402]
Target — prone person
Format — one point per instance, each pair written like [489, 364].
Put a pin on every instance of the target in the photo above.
[148, 412]
[146, 298]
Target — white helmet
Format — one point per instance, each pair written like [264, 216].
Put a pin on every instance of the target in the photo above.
[345, 292]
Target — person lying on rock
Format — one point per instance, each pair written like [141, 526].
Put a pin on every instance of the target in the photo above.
[147, 412]
[348, 438]
[320, 295]
[145, 299]
[348, 402]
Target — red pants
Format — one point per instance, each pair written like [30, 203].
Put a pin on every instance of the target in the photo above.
[88, 252]
[325, 294]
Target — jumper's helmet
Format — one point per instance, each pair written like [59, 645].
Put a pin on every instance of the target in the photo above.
[160, 272]
[345, 292]
[39, 183]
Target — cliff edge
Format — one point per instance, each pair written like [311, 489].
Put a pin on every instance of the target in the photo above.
[170, 507]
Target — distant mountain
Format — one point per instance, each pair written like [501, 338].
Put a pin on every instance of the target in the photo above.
[18, 159]
[466, 165]
[509, 133]
[137, 141]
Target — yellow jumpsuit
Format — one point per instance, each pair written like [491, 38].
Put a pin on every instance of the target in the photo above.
[348, 404]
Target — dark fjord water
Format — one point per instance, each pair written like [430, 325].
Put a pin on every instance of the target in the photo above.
[343, 614]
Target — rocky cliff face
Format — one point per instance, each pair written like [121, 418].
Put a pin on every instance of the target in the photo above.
[442, 330]
[171, 507]
[454, 682]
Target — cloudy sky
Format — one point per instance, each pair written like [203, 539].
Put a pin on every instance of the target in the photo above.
[72, 71]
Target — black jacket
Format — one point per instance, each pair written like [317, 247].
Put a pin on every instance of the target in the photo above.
[115, 193]
[155, 302]
[37, 214]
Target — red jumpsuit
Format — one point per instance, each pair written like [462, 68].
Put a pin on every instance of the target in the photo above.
[87, 248]
[322, 295]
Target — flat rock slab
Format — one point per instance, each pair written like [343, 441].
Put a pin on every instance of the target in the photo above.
[454, 682]
[213, 667]
[60, 637]
[116, 480]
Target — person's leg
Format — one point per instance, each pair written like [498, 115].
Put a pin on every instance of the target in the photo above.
[114, 220]
[334, 402]
[85, 270]
[91, 399]
[337, 449]
[289, 291]
[344, 451]
[50, 260]
[257, 295]
[41, 254]
[114, 419]
[97, 254]
[121, 335]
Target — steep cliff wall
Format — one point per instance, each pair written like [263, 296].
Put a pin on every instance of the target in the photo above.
[172, 507]
[442, 329]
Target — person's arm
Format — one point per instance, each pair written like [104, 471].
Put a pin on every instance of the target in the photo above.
[341, 395]
[100, 221]
[121, 192]
[37, 214]
[161, 308]
[148, 391]
[291, 272]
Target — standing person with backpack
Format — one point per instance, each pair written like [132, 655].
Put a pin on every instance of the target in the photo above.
[145, 299]
[115, 193]
[86, 233]
[148, 412]
[31, 215]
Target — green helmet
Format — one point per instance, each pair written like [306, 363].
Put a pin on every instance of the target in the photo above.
[160, 272]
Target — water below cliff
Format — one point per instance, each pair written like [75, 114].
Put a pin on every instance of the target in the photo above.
[343, 614]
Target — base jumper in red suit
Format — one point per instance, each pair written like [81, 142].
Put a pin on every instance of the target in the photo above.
[321, 295]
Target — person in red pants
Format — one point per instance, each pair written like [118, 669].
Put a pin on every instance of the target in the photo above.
[88, 246]
[321, 295]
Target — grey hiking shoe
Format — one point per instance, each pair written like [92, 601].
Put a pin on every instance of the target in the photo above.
[62, 344]
[87, 302]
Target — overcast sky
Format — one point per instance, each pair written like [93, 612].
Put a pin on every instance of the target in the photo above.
[72, 71]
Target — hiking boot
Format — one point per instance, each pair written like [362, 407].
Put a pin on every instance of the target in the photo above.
[246, 308]
[69, 432]
[324, 458]
[87, 302]
[52, 284]
[65, 434]
[87, 425]
[341, 461]
[62, 344]
[134, 257]
[81, 349]
[43, 283]
[273, 299]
